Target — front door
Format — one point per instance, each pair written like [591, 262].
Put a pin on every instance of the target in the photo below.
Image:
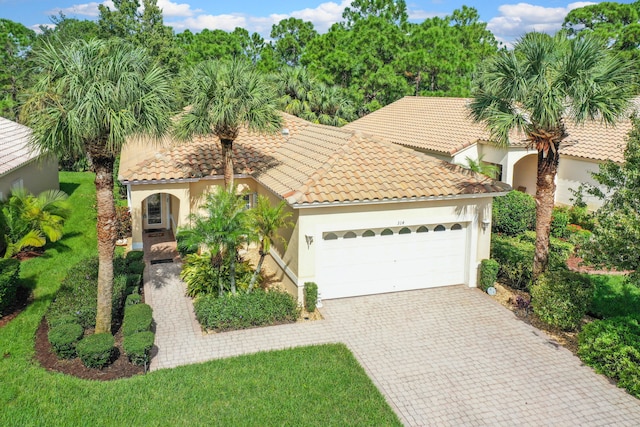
[153, 215]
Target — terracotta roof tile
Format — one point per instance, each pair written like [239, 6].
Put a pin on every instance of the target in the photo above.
[14, 146]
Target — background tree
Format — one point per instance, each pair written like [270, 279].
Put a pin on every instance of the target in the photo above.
[89, 98]
[615, 242]
[266, 221]
[534, 89]
[223, 97]
[15, 43]
[393, 11]
[290, 36]
[65, 30]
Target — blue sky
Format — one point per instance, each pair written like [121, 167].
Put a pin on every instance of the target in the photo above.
[506, 19]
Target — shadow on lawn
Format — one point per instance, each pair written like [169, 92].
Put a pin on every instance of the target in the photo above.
[68, 187]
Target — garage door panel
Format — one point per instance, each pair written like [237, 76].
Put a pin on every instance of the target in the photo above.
[369, 265]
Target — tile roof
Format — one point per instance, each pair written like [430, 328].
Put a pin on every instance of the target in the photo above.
[443, 126]
[439, 125]
[142, 160]
[314, 164]
[14, 146]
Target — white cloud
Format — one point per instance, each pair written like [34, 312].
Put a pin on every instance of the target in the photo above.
[171, 9]
[515, 20]
[38, 30]
[212, 22]
[323, 16]
[85, 9]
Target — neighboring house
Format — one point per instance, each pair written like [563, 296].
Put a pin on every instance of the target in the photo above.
[442, 127]
[370, 216]
[20, 166]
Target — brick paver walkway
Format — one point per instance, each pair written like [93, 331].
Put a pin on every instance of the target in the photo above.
[445, 356]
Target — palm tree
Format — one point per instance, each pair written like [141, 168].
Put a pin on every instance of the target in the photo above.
[89, 98]
[266, 221]
[534, 89]
[482, 167]
[223, 229]
[222, 98]
[31, 221]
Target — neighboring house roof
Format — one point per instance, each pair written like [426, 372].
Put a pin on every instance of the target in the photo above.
[439, 125]
[318, 164]
[443, 126]
[14, 146]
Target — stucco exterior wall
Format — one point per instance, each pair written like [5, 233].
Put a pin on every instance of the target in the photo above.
[36, 176]
[571, 173]
[524, 174]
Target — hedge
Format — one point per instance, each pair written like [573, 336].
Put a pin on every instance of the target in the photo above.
[513, 213]
[245, 310]
[488, 273]
[63, 338]
[9, 281]
[137, 318]
[310, 296]
[138, 347]
[96, 350]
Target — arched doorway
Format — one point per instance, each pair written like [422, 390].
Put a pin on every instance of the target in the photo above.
[160, 211]
[524, 174]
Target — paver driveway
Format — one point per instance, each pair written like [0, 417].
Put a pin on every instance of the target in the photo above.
[445, 356]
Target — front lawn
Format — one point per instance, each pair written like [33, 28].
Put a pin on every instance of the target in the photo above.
[318, 385]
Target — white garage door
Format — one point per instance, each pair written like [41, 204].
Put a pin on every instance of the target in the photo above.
[372, 261]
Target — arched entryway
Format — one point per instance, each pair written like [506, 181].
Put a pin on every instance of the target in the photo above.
[160, 211]
[524, 174]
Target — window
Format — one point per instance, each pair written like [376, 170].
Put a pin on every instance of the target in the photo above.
[249, 200]
[439, 228]
[349, 235]
[404, 230]
[456, 227]
[368, 233]
[330, 236]
[386, 232]
[422, 229]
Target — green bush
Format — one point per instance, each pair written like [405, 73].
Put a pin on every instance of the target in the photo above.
[61, 320]
[135, 267]
[513, 213]
[515, 258]
[137, 318]
[118, 295]
[133, 256]
[138, 347]
[202, 277]
[579, 215]
[184, 249]
[77, 295]
[310, 296]
[612, 348]
[560, 298]
[96, 350]
[578, 236]
[134, 280]
[245, 310]
[560, 219]
[9, 281]
[63, 339]
[488, 273]
[132, 299]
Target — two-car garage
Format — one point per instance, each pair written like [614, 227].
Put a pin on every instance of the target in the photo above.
[387, 259]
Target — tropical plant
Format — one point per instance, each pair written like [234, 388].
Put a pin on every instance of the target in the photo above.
[224, 96]
[89, 98]
[480, 166]
[31, 221]
[222, 230]
[266, 221]
[538, 86]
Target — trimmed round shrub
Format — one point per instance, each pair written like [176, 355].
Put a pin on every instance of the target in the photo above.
[138, 347]
[135, 267]
[488, 273]
[9, 281]
[245, 310]
[515, 259]
[137, 318]
[560, 298]
[96, 350]
[134, 281]
[133, 256]
[310, 296]
[513, 213]
[612, 347]
[63, 338]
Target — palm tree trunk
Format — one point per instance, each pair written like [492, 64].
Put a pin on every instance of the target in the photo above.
[256, 273]
[227, 156]
[545, 198]
[106, 225]
[232, 272]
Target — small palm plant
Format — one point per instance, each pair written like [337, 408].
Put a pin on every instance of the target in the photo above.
[222, 230]
[266, 220]
[482, 167]
[31, 221]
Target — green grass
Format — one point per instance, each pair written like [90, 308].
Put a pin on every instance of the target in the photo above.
[318, 385]
[614, 296]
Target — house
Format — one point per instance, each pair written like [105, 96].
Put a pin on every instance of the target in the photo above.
[441, 127]
[20, 166]
[370, 216]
